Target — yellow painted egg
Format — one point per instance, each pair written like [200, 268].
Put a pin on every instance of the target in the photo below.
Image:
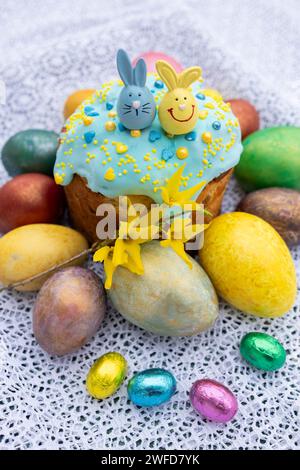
[249, 264]
[32, 249]
[106, 375]
[75, 99]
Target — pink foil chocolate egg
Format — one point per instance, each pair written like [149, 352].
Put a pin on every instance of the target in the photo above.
[213, 400]
[152, 57]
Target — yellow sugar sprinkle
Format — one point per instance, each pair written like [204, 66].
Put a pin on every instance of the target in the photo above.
[104, 162]
[137, 171]
[149, 167]
[107, 154]
[125, 172]
[105, 141]
[87, 160]
[205, 161]
[95, 142]
[154, 150]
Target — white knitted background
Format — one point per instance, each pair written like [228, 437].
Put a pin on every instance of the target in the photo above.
[246, 49]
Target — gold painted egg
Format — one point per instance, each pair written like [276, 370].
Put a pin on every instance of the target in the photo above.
[106, 375]
[249, 264]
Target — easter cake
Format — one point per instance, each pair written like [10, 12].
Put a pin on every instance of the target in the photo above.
[136, 131]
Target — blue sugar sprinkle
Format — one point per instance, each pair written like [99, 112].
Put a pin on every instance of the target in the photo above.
[121, 127]
[191, 136]
[167, 154]
[89, 136]
[154, 135]
[89, 111]
[200, 96]
[152, 91]
[159, 84]
[216, 125]
[109, 106]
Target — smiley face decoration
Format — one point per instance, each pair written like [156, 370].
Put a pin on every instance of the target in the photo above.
[178, 110]
[136, 106]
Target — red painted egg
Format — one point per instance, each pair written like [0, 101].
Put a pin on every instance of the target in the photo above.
[152, 57]
[30, 198]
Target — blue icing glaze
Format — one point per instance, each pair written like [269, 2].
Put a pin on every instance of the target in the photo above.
[109, 105]
[89, 111]
[145, 168]
[89, 136]
[191, 136]
[154, 135]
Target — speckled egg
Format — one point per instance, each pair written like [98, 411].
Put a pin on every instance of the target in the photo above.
[262, 351]
[68, 311]
[169, 298]
[151, 387]
[249, 264]
[32, 249]
[213, 400]
[106, 375]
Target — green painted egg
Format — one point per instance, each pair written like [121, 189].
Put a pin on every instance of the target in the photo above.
[262, 351]
[30, 151]
[271, 158]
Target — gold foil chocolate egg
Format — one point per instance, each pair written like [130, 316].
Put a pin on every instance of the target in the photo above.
[106, 375]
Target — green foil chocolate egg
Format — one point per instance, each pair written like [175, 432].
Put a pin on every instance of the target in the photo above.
[262, 351]
[30, 151]
[270, 159]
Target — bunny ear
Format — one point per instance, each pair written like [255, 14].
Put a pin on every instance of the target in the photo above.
[189, 76]
[167, 74]
[140, 73]
[124, 67]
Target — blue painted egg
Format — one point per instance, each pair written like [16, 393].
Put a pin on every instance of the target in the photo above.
[151, 387]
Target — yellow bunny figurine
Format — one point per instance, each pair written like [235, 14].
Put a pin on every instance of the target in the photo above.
[178, 110]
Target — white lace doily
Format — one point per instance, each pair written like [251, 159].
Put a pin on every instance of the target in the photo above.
[44, 403]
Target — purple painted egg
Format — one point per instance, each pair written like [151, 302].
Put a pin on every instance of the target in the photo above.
[213, 400]
[152, 57]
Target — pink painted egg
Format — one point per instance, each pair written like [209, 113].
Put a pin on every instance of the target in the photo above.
[152, 57]
[213, 400]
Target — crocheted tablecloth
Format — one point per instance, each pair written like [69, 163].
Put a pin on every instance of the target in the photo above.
[48, 51]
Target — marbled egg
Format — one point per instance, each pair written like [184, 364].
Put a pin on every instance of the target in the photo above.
[169, 298]
[151, 387]
[280, 207]
[247, 116]
[213, 400]
[270, 159]
[106, 375]
[30, 151]
[68, 310]
[262, 351]
[32, 249]
[75, 99]
[249, 264]
[29, 199]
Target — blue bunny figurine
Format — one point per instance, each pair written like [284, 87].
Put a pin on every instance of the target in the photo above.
[136, 106]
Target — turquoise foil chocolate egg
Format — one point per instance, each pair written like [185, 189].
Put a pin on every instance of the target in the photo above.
[151, 387]
[262, 351]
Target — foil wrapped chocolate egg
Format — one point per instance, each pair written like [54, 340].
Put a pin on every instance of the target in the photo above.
[151, 387]
[262, 351]
[106, 375]
[213, 400]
